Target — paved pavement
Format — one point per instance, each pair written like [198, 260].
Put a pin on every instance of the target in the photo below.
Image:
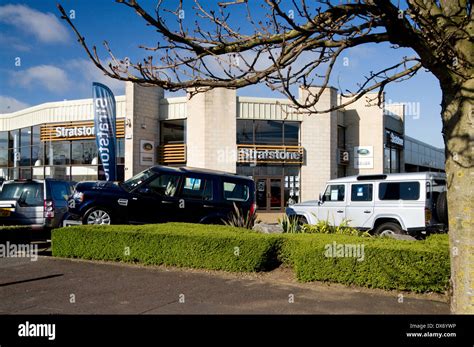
[62, 286]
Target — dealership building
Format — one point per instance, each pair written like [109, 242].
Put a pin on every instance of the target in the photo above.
[290, 155]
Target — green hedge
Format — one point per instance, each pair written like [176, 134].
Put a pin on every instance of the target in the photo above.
[418, 266]
[178, 244]
[388, 264]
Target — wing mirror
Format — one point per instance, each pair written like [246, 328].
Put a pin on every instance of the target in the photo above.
[320, 199]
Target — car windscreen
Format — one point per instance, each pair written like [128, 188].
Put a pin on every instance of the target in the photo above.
[31, 193]
[136, 180]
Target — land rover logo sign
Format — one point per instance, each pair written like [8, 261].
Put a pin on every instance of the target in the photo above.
[363, 151]
[105, 132]
[147, 146]
[252, 155]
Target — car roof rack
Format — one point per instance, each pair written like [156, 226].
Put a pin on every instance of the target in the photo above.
[371, 177]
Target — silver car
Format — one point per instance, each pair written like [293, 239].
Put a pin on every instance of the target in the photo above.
[42, 204]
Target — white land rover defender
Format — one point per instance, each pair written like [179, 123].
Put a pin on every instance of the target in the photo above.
[411, 203]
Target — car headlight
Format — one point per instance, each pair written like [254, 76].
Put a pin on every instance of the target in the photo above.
[79, 196]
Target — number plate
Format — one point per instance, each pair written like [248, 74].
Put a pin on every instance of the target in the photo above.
[4, 212]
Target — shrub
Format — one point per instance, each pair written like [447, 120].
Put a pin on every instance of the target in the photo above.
[289, 224]
[240, 220]
[388, 264]
[324, 227]
[384, 263]
[180, 244]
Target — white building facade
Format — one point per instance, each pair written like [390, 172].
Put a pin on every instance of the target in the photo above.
[289, 155]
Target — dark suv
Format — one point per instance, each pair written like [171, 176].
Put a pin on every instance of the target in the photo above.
[163, 194]
[42, 204]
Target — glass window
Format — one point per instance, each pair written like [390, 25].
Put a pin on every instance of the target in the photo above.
[361, 192]
[173, 131]
[84, 173]
[3, 173]
[60, 190]
[395, 162]
[25, 173]
[197, 188]
[245, 131]
[138, 179]
[3, 157]
[236, 191]
[83, 152]
[3, 139]
[58, 152]
[120, 151]
[292, 131]
[268, 131]
[30, 193]
[25, 138]
[165, 184]
[334, 192]
[37, 155]
[386, 160]
[25, 156]
[37, 135]
[14, 138]
[399, 191]
[38, 172]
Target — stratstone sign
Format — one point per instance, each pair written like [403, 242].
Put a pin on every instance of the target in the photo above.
[74, 131]
[273, 154]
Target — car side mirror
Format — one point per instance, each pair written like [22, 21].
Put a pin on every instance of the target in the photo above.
[321, 199]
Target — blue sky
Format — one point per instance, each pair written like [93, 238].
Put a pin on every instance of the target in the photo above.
[53, 66]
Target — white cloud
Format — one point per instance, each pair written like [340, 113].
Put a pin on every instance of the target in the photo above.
[13, 43]
[89, 73]
[50, 77]
[45, 26]
[9, 104]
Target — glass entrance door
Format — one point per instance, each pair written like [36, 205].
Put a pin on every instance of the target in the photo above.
[261, 193]
[269, 193]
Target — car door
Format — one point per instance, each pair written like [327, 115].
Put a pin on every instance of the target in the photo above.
[60, 192]
[155, 201]
[196, 199]
[333, 205]
[360, 205]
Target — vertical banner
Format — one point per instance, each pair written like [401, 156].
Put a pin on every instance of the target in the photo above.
[104, 127]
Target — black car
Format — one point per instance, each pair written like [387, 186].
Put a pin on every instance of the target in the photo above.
[163, 194]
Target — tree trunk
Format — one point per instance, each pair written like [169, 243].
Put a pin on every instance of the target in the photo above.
[458, 130]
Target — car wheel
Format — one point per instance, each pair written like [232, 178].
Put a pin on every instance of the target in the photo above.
[442, 208]
[97, 215]
[302, 220]
[390, 228]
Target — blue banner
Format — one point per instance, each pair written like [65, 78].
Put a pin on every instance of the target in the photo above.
[104, 127]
